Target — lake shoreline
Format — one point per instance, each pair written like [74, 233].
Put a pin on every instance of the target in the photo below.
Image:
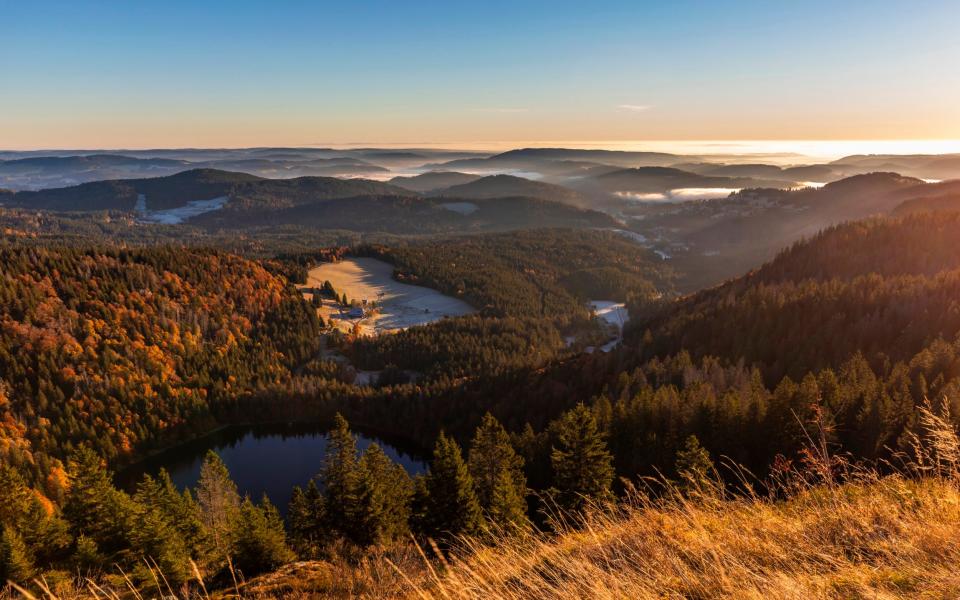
[124, 475]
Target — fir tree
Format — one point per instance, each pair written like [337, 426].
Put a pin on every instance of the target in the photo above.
[582, 465]
[42, 529]
[384, 493]
[305, 516]
[508, 505]
[86, 556]
[450, 506]
[340, 478]
[694, 466]
[154, 540]
[16, 560]
[219, 504]
[183, 511]
[497, 473]
[261, 543]
[94, 507]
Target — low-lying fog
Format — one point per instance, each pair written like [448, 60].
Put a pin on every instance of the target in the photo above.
[679, 195]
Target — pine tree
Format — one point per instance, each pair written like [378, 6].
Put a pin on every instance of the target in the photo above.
[154, 540]
[384, 493]
[340, 478]
[419, 506]
[497, 473]
[86, 556]
[219, 504]
[305, 516]
[16, 560]
[42, 529]
[694, 466]
[450, 506]
[183, 512]
[94, 507]
[582, 465]
[261, 543]
[508, 505]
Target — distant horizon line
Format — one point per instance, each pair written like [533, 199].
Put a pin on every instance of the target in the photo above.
[807, 148]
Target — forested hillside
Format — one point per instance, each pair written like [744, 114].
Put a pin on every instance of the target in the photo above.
[405, 214]
[540, 273]
[883, 288]
[120, 349]
[531, 287]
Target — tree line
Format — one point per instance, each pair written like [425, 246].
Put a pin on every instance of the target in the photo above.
[358, 500]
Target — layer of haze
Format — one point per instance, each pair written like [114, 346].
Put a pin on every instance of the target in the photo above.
[479, 74]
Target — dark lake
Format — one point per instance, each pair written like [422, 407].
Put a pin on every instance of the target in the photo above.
[262, 459]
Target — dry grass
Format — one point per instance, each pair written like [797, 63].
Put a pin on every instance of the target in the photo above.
[885, 538]
[890, 537]
[876, 537]
[893, 536]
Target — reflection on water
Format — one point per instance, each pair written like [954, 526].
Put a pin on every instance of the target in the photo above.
[263, 459]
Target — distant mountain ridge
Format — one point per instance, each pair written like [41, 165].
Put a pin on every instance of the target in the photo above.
[176, 190]
[322, 202]
[527, 158]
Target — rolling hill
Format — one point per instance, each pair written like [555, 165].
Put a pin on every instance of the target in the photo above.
[433, 180]
[928, 166]
[525, 158]
[216, 200]
[407, 214]
[177, 190]
[658, 180]
[37, 172]
[939, 203]
[818, 173]
[494, 186]
[710, 241]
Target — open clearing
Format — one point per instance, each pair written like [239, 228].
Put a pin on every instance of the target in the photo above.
[400, 306]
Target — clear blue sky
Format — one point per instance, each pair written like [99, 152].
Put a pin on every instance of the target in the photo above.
[236, 73]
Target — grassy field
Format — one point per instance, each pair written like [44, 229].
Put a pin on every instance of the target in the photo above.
[399, 305]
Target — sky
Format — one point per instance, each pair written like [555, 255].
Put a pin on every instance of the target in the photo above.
[97, 74]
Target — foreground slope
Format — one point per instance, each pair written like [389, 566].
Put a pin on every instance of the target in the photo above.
[873, 536]
[892, 538]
